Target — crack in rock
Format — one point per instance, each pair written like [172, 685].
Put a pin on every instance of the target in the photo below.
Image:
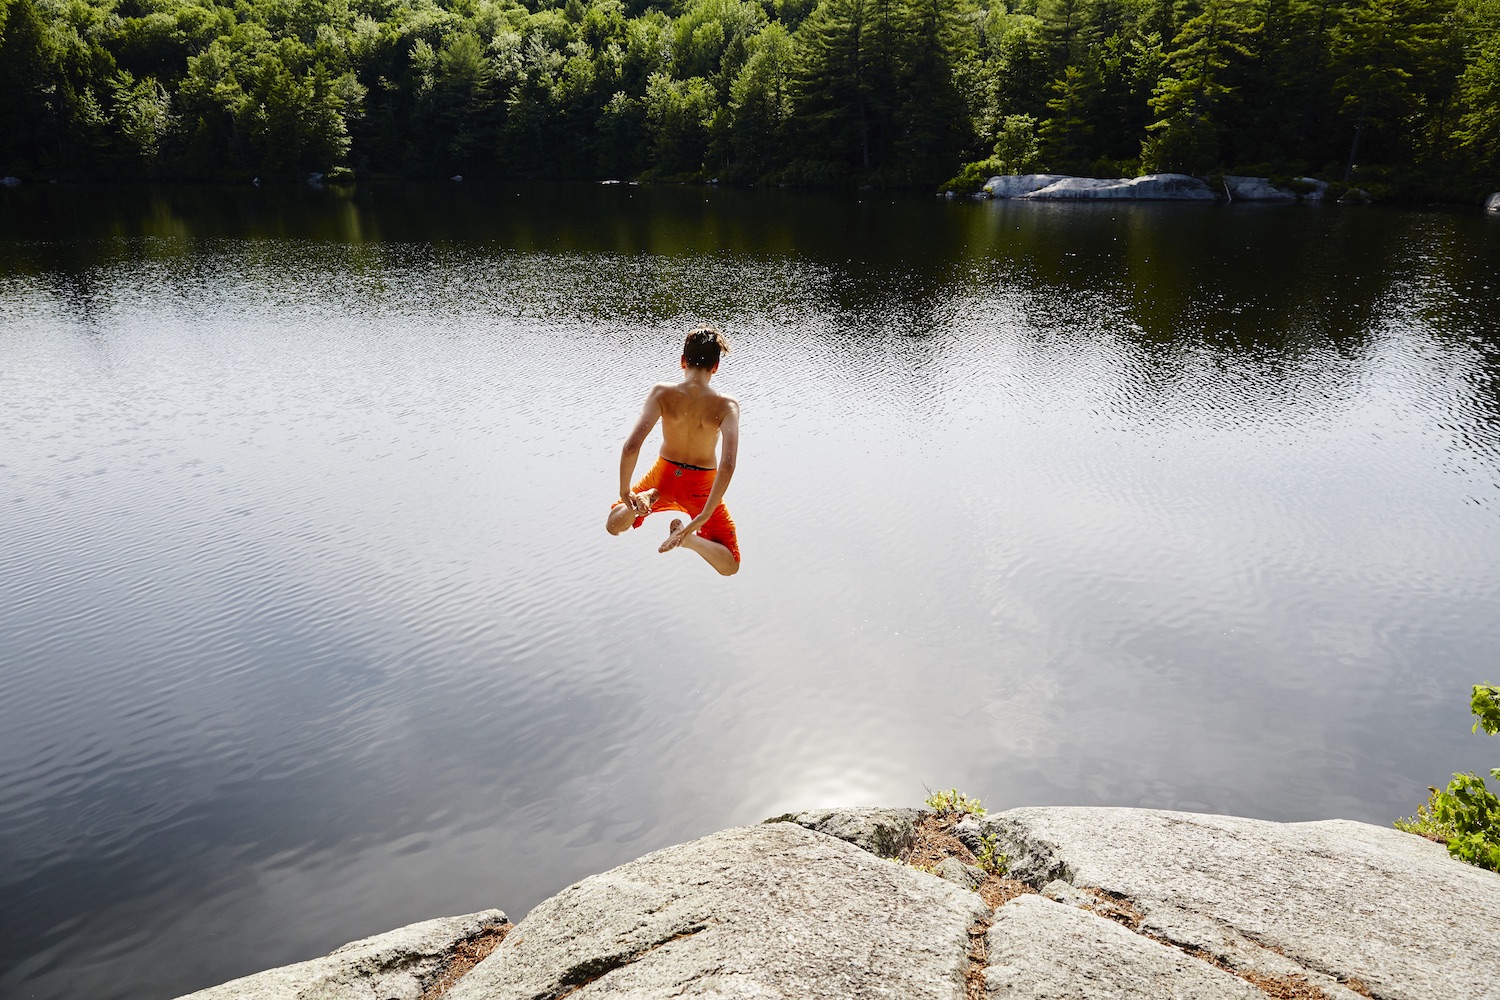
[1331, 984]
[1282, 985]
[465, 955]
[1039, 948]
[594, 969]
[979, 958]
[1354, 909]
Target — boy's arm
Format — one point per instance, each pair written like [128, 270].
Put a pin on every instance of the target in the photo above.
[650, 414]
[728, 453]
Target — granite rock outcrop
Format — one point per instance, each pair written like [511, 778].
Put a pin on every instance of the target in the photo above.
[396, 965]
[1110, 903]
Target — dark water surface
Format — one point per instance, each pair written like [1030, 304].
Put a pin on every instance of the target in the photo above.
[309, 626]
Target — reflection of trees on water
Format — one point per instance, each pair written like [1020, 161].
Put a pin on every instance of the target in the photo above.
[1230, 277]
[1266, 286]
[81, 298]
[1299, 299]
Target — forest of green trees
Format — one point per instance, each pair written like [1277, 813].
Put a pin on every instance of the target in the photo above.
[899, 93]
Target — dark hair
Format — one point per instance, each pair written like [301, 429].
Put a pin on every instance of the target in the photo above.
[703, 347]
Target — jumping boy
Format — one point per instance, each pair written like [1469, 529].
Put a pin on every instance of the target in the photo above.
[686, 477]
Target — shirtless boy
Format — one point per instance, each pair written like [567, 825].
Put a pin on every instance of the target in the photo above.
[686, 477]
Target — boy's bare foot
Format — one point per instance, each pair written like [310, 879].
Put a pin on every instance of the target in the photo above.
[674, 536]
[646, 500]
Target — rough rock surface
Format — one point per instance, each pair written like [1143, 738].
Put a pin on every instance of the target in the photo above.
[1151, 187]
[960, 874]
[1256, 189]
[391, 966]
[1065, 892]
[1134, 903]
[1016, 185]
[1493, 203]
[969, 833]
[1335, 900]
[1041, 950]
[771, 911]
[886, 832]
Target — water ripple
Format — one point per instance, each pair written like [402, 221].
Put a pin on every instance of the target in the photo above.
[308, 627]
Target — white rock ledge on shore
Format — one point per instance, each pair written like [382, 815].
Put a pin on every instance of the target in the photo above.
[1015, 185]
[1151, 187]
[1133, 903]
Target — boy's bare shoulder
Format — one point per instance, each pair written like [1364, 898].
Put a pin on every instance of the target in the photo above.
[660, 390]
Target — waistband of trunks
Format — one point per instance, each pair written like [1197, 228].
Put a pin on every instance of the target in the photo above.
[684, 465]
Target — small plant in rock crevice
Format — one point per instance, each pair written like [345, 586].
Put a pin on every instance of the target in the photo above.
[953, 803]
[990, 857]
[1466, 814]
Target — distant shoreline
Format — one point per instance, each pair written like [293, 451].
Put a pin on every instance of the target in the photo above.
[1085, 189]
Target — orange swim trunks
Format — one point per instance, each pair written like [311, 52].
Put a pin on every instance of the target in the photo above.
[686, 488]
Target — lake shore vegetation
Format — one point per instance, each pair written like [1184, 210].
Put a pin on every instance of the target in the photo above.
[1466, 815]
[1399, 96]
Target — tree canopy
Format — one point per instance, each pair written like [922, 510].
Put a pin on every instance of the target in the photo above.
[1400, 93]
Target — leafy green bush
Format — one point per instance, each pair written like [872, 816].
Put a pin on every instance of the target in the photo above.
[973, 176]
[953, 802]
[1485, 704]
[1466, 815]
[1016, 151]
[1424, 823]
[990, 857]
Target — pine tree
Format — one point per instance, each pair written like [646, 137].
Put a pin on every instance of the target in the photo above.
[840, 89]
[1478, 130]
[1382, 55]
[1190, 101]
[933, 123]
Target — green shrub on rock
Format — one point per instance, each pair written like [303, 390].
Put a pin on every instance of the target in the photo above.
[990, 857]
[953, 802]
[1466, 814]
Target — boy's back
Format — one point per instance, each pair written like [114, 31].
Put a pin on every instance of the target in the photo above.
[691, 415]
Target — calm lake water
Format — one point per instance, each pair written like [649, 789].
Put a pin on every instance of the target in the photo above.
[309, 626]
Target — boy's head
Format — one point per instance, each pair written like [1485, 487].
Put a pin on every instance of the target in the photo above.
[703, 347]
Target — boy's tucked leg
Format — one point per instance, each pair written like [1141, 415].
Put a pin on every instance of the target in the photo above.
[621, 519]
[717, 555]
[716, 543]
[624, 516]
